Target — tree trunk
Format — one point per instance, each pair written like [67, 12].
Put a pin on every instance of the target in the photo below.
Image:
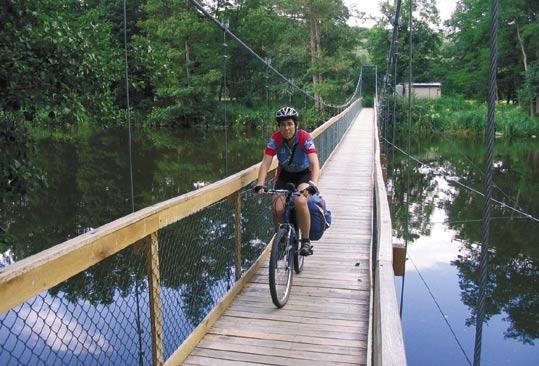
[525, 61]
[524, 56]
[318, 48]
[187, 57]
[314, 57]
[187, 62]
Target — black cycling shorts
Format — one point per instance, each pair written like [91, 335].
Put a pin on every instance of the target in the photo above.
[297, 178]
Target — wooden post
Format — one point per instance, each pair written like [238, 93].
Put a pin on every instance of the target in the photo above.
[383, 164]
[399, 258]
[236, 202]
[390, 198]
[156, 316]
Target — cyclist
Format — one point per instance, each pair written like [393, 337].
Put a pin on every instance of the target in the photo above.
[298, 164]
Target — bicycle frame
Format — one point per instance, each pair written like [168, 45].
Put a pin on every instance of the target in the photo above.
[289, 208]
[285, 258]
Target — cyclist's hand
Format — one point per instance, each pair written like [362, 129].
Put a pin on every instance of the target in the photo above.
[312, 189]
[259, 189]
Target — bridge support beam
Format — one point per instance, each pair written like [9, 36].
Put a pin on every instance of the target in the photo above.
[235, 199]
[399, 258]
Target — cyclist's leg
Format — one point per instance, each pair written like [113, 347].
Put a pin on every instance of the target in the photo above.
[303, 216]
[279, 200]
[277, 208]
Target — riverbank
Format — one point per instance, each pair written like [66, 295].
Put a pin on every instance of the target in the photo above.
[464, 117]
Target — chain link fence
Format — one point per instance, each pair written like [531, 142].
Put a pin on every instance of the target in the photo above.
[137, 306]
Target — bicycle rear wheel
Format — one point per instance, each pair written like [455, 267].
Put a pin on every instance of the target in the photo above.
[280, 267]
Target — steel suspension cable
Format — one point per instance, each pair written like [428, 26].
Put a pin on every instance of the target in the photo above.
[138, 325]
[444, 317]
[128, 110]
[409, 144]
[268, 65]
[472, 164]
[491, 104]
[225, 96]
[390, 59]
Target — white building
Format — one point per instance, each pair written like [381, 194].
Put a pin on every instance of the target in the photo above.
[421, 90]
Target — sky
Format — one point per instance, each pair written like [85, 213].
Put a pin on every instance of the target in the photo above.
[370, 7]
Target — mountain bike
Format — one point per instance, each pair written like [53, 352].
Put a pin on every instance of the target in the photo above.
[285, 258]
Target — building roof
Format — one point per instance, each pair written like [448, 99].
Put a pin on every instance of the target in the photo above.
[426, 84]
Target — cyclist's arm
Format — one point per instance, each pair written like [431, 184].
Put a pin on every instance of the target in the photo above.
[314, 165]
[263, 170]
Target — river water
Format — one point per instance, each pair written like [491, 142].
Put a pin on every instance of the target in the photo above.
[439, 291]
[88, 185]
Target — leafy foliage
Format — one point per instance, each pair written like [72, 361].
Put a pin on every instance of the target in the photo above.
[60, 63]
[456, 115]
[19, 175]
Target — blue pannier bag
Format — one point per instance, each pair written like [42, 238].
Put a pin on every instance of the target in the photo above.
[320, 216]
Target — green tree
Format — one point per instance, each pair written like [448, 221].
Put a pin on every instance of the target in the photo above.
[59, 63]
[468, 50]
[18, 175]
[426, 40]
[529, 90]
[178, 48]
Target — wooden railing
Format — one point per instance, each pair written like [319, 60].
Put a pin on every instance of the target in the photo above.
[388, 343]
[40, 272]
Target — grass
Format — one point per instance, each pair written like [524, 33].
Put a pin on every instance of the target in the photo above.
[459, 116]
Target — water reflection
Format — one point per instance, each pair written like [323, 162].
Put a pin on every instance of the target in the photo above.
[444, 238]
[88, 179]
[89, 186]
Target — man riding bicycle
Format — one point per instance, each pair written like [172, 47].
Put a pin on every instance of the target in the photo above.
[298, 164]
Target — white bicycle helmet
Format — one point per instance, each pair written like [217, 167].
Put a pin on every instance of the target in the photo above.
[286, 113]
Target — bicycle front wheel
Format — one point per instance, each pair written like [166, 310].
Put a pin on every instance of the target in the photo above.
[298, 262]
[280, 268]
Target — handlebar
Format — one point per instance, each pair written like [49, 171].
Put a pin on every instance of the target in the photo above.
[277, 191]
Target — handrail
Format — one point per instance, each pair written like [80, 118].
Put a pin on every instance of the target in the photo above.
[388, 343]
[39, 272]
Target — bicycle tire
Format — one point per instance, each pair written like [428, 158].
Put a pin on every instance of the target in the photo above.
[280, 268]
[299, 259]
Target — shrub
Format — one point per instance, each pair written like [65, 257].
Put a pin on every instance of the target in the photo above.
[456, 115]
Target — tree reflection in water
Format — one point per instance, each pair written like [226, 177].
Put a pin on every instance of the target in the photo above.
[513, 280]
[88, 187]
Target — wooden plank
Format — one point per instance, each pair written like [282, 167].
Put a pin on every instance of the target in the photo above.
[290, 353]
[206, 361]
[299, 317]
[260, 295]
[353, 330]
[280, 344]
[309, 339]
[325, 314]
[261, 359]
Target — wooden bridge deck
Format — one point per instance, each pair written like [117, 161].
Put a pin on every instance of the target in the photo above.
[326, 320]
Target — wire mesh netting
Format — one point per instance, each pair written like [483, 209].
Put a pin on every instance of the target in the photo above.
[140, 304]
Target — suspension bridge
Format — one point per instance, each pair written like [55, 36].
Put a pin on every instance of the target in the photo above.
[343, 307]
[189, 284]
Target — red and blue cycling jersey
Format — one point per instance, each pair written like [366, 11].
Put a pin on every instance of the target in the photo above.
[303, 145]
